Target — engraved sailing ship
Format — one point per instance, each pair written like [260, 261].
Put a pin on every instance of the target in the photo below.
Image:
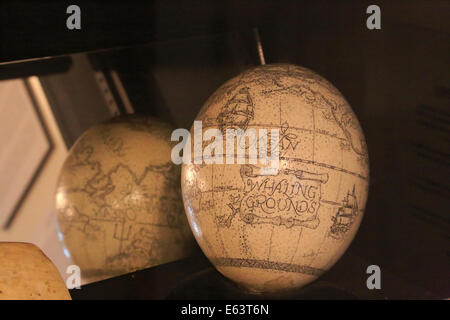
[345, 216]
[237, 112]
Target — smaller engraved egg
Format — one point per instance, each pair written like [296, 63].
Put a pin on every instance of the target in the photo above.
[119, 199]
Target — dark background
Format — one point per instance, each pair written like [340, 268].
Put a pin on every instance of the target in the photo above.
[171, 55]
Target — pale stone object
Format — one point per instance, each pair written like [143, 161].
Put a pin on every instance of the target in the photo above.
[119, 199]
[27, 274]
[277, 232]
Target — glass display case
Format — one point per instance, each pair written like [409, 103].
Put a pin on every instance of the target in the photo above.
[165, 59]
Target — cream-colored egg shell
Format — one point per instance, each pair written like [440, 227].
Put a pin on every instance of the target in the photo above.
[27, 274]
[273, 233]
[119, 199]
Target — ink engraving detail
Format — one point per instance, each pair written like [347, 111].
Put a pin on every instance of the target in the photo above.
[237, 112]
[275, 200]
[345, 216]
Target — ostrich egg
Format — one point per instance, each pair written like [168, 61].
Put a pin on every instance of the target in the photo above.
[27, 274]
[271, 231]
[119, 201]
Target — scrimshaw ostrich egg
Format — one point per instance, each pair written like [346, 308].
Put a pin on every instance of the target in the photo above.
[279, 231]
[119, 199]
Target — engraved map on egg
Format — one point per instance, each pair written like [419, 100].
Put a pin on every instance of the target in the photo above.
[301, 220]
[118, 200]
